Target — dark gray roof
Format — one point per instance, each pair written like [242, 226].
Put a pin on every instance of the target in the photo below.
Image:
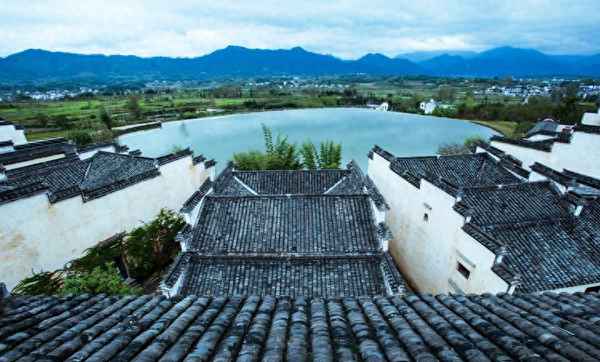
[108, 172]
[320, 243]
[305, 224]
[103, 173]
[547, 125]
[290, 182]
[508, 204]
[282, 276]
[415, 327]
[547, 246]
[453, 172]
[60, 178]
[39, 149]
[197, 196]
[551, 255]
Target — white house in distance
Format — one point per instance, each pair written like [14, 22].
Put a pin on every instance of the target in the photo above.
[56, 200]
[429, 106]
[558, 146]
[10, 134]
[475, 223]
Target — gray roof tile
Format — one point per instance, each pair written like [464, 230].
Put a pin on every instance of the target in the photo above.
[416, 327]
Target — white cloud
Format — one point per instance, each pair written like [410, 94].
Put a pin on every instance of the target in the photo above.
[347, 29]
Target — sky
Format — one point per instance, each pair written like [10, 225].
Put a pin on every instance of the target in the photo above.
[346, 29]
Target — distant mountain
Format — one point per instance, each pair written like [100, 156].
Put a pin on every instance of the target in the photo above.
[421, 56]
[41, 65]
[508, 61]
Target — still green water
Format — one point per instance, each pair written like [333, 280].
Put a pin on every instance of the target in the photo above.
[357, 129]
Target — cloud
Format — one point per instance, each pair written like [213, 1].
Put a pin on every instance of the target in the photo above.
[347, 28]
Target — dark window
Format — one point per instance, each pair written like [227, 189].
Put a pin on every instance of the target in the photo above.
[425, 217]
[595, 289]
[462, 270]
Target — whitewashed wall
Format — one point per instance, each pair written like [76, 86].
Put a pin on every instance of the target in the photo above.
[10, 133]
[36, 235]
[581, 155]
[427, 251]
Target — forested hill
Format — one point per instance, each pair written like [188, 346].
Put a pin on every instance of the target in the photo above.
[38, 65]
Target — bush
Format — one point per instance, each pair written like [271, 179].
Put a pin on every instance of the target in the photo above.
[467, 147]
[81, 138]
[102, 279]
[282, 155]
[151, 247]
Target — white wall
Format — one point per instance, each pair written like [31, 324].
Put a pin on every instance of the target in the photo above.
[90, 153]
[36, 235]
[581, 155]
[427, 251]
[10, 133]
[34, 161]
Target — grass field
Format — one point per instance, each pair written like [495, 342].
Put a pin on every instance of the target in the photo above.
[506, 128]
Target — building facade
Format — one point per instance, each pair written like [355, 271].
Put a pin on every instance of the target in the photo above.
[474, 223]
[55, 203]
[561, 147]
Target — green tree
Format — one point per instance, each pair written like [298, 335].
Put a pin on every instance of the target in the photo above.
[330, 155]
[446, 93]
[80, 137]
[310, 159]
[151, 247]
[102, 279]
[105, 118]
[133, 105]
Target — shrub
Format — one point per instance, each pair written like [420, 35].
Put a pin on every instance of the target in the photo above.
[102, 279]
[282, 155]
[152, 247]
[81, 138]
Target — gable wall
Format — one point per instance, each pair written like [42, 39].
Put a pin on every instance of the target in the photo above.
[38, 235]
[427, 251]
[10, 133]
[581, 155]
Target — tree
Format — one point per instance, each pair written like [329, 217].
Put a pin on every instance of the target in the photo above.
[80, 137]
[102, 279]
[309, 156]
[151, 247]
[446, 93]
[330, 155]
[467, 147]
[133, 105]
[105, 118]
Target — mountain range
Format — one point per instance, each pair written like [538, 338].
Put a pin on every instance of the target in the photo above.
[36, 64]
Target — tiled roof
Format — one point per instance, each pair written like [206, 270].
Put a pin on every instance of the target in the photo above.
[197, 196]
[453, 172]
[60, 178]
[505, 327]
[33, 150]
[543, 145]
[551, 255]
[547, 246]
[304, 224]
[290, 182]
[286, 243]
[108, 172]
[547, 125]
[103, 173]
[512, 203]
[282, 276]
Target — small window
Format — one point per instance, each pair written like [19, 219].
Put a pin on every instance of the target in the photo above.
[426, 217]
[595, 289]
[462, 270]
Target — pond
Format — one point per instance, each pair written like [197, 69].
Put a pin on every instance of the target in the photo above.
[357, 129]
